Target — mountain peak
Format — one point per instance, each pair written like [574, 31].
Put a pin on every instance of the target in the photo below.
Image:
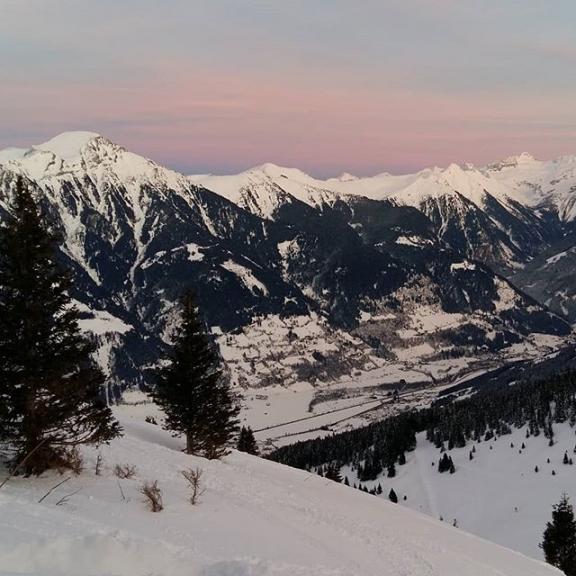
[455, 169]
[523, 158]
[346, 177]
[274, 171]
[67, 145]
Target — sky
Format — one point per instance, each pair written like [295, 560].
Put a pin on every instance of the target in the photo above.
[362, 86]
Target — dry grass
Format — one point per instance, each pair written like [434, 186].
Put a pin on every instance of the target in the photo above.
[125, 471]
[153, 496]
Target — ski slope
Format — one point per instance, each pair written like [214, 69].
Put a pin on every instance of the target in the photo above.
[497, 495]
[256, 518]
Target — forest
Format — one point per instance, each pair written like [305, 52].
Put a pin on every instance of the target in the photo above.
[452, 421]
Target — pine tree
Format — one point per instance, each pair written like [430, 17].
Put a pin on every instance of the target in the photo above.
[392, 496]
[333, 473]
[50, 388]
[247, 442]
[195, 397]
[559, 543]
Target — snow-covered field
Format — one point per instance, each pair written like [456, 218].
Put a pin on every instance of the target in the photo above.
[255, 518]
[272, 363]
[287, 413]
[497, 495]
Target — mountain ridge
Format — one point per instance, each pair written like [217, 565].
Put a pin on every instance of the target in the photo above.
[299, 284]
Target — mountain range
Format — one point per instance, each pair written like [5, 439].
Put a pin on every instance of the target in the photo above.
[303, 280]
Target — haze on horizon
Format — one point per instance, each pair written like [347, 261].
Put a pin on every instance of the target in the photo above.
[325, 85]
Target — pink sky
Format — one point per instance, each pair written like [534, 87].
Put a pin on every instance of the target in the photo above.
[242, 87]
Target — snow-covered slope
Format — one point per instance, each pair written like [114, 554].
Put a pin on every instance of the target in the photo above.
[545, 184]
[497, 495]
[265, 189]
[255, 518]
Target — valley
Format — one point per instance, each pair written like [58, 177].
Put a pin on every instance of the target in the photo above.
[319, 293]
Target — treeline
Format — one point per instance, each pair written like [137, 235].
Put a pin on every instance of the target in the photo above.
[449, 423]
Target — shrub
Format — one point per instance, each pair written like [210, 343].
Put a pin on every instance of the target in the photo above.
[125, 471]
[153, 495]
[194, 479]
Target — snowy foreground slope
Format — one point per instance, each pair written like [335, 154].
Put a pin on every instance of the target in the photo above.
[256, 518]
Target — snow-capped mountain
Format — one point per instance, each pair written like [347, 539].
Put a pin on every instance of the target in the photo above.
[478, 216]
[547, 185]
[549, 188]
[300, 281]
[300, 524]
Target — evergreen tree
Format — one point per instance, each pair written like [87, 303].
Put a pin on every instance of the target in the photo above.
[446, 464]
[333, 473]
[247, 442]
[50, 388]
[195, 397]
[559, 543]
[392, 496]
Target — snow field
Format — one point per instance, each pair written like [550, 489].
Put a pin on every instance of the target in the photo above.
[256, 518]
[497, 495]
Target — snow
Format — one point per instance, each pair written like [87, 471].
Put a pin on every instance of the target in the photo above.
[536, 182]
[464, 265]
[67, 145]
[409, 240]
[194, 254]
[246, 276]
[497, 495]
[103, 323]
[99, 322]
[557, 257]
[11, 154]
[256, 518]
[520, 178]
[263, 189]
[507, 296]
